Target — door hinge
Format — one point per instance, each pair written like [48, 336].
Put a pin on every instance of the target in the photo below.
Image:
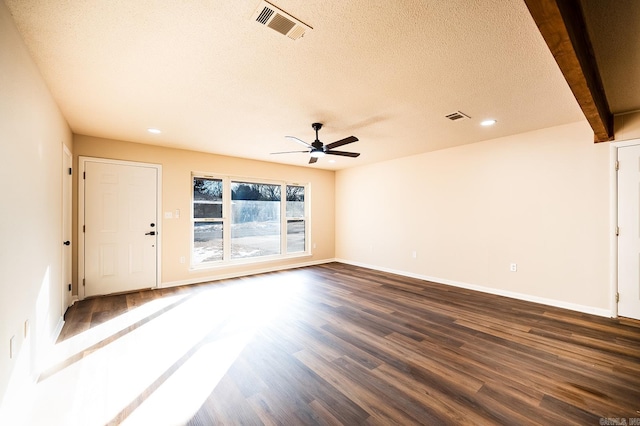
[617, 231]
[84, 175]
[617, 297]
[83, 282]
[83, 228]
[69, 287]
[70, 171]
[617, 165]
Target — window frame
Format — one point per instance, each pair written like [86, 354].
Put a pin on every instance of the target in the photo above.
[227, 219]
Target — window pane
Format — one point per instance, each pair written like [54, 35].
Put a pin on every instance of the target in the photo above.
[207, 198]
[295, 201]
[255, 219]
[295, 236]
[204, 210]
[295, 228]
[207, 242]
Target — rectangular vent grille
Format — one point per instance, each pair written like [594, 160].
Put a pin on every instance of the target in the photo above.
[276, 19]
[264, 16]
[281, 24]
[458, 115]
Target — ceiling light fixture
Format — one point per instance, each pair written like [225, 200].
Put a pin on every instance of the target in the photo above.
[316, 153]
[488, 122]
[154, 131]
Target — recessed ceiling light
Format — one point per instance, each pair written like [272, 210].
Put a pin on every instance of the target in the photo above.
[332, 161]
[488, 122]
[154, 131]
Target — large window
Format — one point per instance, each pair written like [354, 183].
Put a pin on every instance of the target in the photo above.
[244, 219]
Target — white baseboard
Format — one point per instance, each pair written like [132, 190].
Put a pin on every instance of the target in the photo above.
[238, 274]
[514, 295]
[56, 331]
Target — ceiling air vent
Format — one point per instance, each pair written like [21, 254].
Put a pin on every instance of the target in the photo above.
[458, 115]
[279, 20]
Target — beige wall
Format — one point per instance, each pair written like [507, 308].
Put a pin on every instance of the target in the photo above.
[32, 133]
[627, 126]
[177, 166]
[538, 199]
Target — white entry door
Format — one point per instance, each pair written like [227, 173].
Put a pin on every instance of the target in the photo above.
[629, 238]
[120, 227]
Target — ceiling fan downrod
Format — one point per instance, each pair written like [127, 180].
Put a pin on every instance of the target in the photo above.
[317, 145]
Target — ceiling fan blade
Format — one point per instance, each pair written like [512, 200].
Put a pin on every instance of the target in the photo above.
[299, 141]
[313, 160]
[341, 142]
[288, 152]
[343, 153]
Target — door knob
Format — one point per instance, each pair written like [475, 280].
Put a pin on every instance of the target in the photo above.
[67, 243]
[151, 233]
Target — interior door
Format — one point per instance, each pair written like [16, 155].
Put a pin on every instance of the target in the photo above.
[67, 184]
[120, 233]
[629, 225]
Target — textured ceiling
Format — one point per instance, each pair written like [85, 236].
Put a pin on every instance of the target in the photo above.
[214, 80]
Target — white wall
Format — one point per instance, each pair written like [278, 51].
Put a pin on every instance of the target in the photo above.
[32, 131]
[539, 199]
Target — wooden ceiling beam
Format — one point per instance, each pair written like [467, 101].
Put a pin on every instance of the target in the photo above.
[562, 25]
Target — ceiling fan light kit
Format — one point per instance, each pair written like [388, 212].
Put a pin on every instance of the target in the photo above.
[317, 149]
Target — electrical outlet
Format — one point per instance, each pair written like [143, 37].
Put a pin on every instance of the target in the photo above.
[177, 215]
[513, 267]
[414, 254]
[182, 259]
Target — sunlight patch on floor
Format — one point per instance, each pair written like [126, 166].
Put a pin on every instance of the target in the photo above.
[82, 341]
[180, 397]
[165, 368]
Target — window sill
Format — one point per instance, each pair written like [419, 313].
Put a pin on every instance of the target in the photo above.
[250, 261]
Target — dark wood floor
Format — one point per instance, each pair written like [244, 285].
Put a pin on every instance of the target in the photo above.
[358, 346]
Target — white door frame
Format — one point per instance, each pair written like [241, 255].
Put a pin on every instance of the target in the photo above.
[613, 215]
[67, 179]
[81, 186]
